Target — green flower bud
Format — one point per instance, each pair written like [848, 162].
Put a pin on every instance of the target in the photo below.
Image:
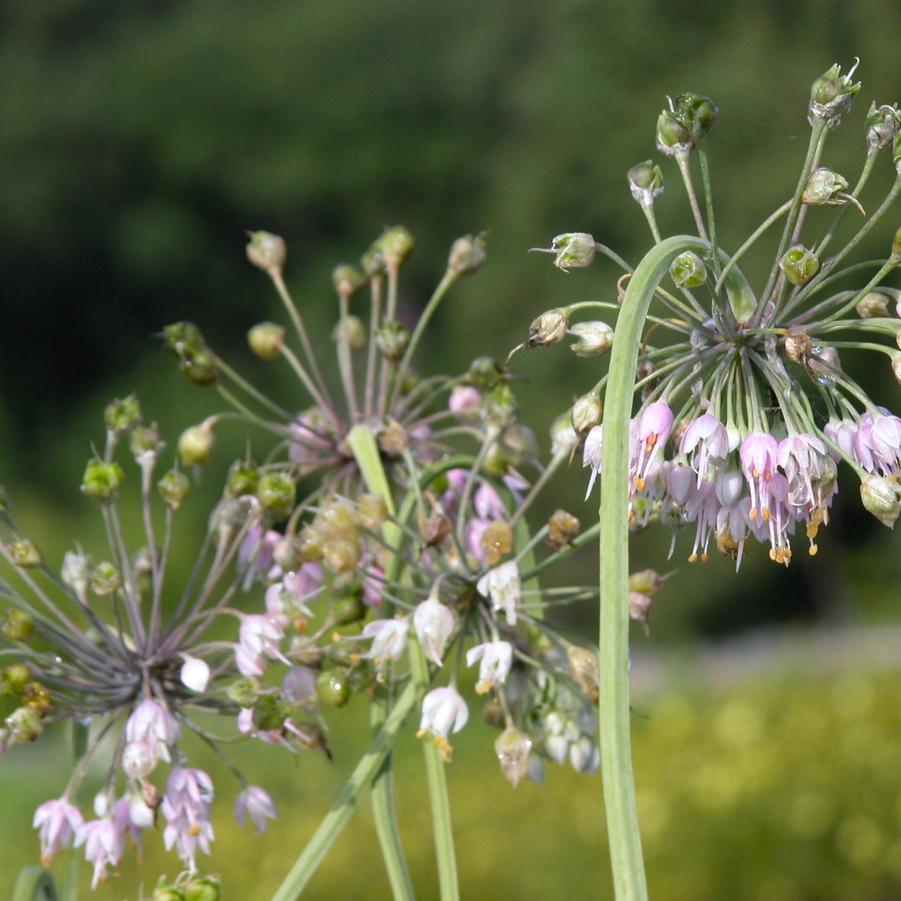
[182, 339]
[799, 264]
[484, 373]
[332, 688]
[373, 510]
[202, 888]
[548, 328]
[105, 579]
[882, 498]
[199, 368]
[647, 581]
[373, 261]
[352, 330]
[277, 494]
[645, 182]
[196, 444]
[122, 414]
[24, 724]
[145, 439]
[349, 609]
[572, 250]
[831, 96]
[396, 244]
[36, 696]
[587, 412]
[512, 748]
[497, 461]
[167, 892]
[872, 305]
[17, 624]
[25, 553]
[243, 478]
[498, 409]
[102, 479]
[348, 278]
[593, 338]
[173, 488]
[266, 251]
[823, 186]
[269, 713]
[243, 692]
[309, 543]
[687, 121]
[672, 137]
[688, 270]
[393, 339]
[467, 254]
[265, 339]
[14, 678]
[883, 123]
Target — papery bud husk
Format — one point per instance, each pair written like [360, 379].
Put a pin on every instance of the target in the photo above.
[647, 581]
[574, 250]
[467, 254]
[393, 438]
[563, 528]
[872, 305]
[645, 182]
[883, 124]
[594, 338]
[587, 412]
[173, 487]
[548, 328]
[831, 96]
[798, 345]
[799, 264]
[497, 540]
[512, 748]
[583, 667]
[640, 607]
[823, 186]
[145, 439]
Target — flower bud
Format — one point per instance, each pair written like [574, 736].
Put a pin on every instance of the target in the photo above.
[122, 414]
[102, 479]
[498, 408]
[687, 121]
[196, 444]
[823, 187]
[572, 250]
[497, 540]
[24, 724]
[341, 556]
[243, 692]
[243, 478]
[467, 254]
[882, 498]
[145, 439]
[351, 330]
[593, 338]
[672, 137]
[512, 748]
[562, 529]
[436, 528]
[647, 581]
[17, 625]
[872, 305]
[348, 278]
[266, 251]
[14, 678]
[199, 368]
[497, 461]
[583, 667]
[485, 373]
[167, 891]
[277, 494]
[883, 123]
[25, 553]
[265, 339]
[831, 96]
[548, 328]
[645, 182]
[799, 264]
[105, 579]
[798, 345]
[392, 339]
[587, 412]
[688, 270]
[396, 244]
[173, 488]
[373, 510]
[36, 696]
[332, 688]
[202, 888]
[393, 438]
[183, 339]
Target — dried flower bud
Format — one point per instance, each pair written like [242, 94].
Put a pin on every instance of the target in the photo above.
[688, 270]
[823, 187]
[266, 251]
[25, 553]
[593, 338]
[587, 412]
[396, 244]
[645, 182]
[883, 123]
[243, 478]
[882, 498]
[196, 444]
[799, 264]
[393, 438]
[548, 328]
[512, 748]
[17, 624]
[497, 540]
[373, 510]
[102, 479]
[436, 528]
[332, 688]
[173, 488]
[393, 339]
[277, 494]
[499, 408]
[105, 579]
[348, 278]
[122, 414]
[872, 305]
[831, 96]
[572, 250]
[564, 439]
[265, 339]
[798, 345]
[640, 608]
[583, 667]
[467, 254]
[562, 529]
[144, 440]
[351, 330]
[647, 581]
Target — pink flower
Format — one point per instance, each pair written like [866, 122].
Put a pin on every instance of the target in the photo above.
[255, 804]
[704, 440]
[256, 553]
[653, 430]
[104, 844]
[759, 456]
[487, 503]
[186, 807]
[591, 454]
[464, 399]
[151, 722]
[57, 822]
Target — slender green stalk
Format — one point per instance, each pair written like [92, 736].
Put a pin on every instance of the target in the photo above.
[336, 819]
[613, 713]
[685, 170]
[773, 217]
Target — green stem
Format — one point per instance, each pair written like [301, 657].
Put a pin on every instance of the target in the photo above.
[34, 884]
[335, 820]
[613, 712]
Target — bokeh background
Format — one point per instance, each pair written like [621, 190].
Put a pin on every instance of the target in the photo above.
[139, 141]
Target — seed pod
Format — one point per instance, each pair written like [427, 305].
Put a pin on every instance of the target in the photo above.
[467, 254]
[102, 479]
[352, 330]
[17, 625]
[872, 305]
[882, 498]
[243, 478]
[563, 528]
[265, 339]
[122, 414]
[831, 96]
[583, 667]
[277, 494]
[332, 688]
[587, 412]
[25, 553]
[145, 439]
[688, 270]
[594, 338]
[392, 339]
[195, 444]
[267, 251]
[548, 328]
[173, 488]
[645, 182]
[512, 748]
[348, 278]
[799, 264]
[105, 579]
[497, 540]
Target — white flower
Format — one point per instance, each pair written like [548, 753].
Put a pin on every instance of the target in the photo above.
[103, 843]
[254, 803]
[56, 822]
[443, 711]
[76, 573]
[503, 586]
[195, 673]
[139, 759]
[434, 624]
[389, 638]
[496, 657]
[591, 454]
[151, 722]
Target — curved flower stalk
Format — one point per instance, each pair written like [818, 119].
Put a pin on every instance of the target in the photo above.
[744, 415]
